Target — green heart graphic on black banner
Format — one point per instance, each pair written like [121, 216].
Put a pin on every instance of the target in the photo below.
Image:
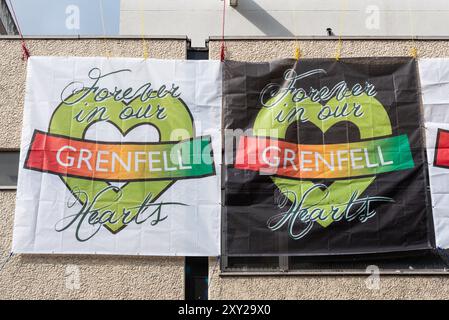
[374, 123]
[328, 158]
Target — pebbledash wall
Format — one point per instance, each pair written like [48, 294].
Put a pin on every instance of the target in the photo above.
[50, 276]
[118, 277]
[325, 287]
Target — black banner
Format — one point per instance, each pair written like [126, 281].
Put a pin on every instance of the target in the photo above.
[324, 157]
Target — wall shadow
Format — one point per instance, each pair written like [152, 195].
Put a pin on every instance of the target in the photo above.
[260, 18]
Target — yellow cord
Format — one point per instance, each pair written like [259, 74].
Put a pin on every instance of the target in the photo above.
[108, 53]
[142, 31]
[338, 52]
[297, 51]
[414, 49]
[340, 29]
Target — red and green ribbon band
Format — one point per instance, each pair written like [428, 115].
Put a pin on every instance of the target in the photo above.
[328, 161]
[110, 161]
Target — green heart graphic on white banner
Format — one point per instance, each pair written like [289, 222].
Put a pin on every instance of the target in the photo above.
[176, 117]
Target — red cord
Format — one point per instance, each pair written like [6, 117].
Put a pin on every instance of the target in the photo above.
[222, 50]
[25, 51]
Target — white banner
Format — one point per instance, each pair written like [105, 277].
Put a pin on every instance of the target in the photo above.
[434, 77]
[120, 156]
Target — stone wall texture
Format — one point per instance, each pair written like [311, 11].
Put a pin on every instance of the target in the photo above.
[51, 276]
[324, 287]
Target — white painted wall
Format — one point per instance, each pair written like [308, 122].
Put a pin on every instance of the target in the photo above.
[199, 19]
